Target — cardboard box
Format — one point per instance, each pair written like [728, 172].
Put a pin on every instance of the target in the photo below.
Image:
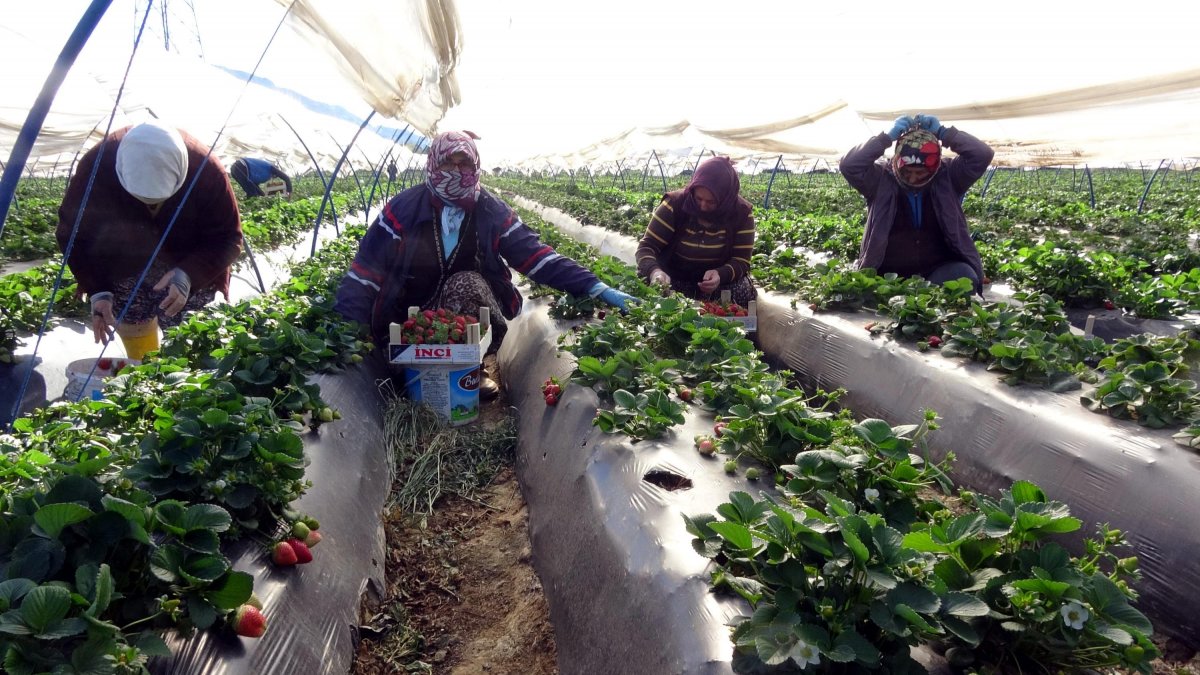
[445, 377]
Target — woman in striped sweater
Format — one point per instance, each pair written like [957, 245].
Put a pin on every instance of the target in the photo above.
[700, 238]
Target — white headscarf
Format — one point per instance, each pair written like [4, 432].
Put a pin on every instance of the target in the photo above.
[152, 162]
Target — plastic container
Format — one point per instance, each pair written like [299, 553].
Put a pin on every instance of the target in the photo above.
[80, 387]
[453, 391]
[445, 377]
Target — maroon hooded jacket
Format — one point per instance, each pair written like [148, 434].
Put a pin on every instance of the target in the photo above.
[118, 233]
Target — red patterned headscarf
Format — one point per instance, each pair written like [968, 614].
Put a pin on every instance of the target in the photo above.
[718, 175]
[917, 148]
[460, 188]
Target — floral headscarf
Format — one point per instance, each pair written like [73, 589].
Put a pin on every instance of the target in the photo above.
[917, 148]
[460, 188]
[718, 175]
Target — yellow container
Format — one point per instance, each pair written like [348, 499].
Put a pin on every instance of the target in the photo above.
[139, 338]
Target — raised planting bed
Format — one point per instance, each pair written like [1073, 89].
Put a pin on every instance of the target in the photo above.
[1108, 471]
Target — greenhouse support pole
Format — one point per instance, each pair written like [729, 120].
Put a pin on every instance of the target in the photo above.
[1142, 201]
[253, 263]
[329, 188]
[41, 107]
[661, 171]
[362, 196]
[1087, 173]
[646, 170]
[767, 197]
[621, 173]
[698, 158]
[987, 181]
[407, 169]
[316, 164]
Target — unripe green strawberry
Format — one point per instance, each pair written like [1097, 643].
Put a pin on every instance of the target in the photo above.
[731, 466]
[312, 523]
[248, 621]
[300, 530]
[326, 414]
[752, 473]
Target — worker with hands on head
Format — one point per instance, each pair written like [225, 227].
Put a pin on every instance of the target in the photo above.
[138, 192]
[915, 221]
[700, 238]
[448, 243]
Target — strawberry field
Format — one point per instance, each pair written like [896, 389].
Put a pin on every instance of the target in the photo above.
[784, 470]
[648, 389]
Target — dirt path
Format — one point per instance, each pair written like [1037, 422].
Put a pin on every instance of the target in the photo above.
[462, 597]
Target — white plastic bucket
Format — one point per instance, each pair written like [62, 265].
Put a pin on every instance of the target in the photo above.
[80, 386]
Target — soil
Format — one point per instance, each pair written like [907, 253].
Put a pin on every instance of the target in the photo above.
[461, 580]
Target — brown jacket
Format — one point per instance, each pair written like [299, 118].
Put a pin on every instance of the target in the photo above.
[117, 233]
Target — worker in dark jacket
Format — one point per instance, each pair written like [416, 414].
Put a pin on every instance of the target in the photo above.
[915, 221]
[149, 178]
[250, 173]
[448, 243]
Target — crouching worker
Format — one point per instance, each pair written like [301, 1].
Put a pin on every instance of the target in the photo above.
[139, 193]
[700, 238]
[448, 244]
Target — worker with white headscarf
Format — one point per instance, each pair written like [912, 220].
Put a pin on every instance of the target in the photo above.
[146, 181]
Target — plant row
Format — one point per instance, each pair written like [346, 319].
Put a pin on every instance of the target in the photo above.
[1026, 340]
[848, 557]
[116, 512]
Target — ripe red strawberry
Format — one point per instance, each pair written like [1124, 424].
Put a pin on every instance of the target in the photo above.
[303, 555]
[248, 621]
[1108, 304]
[719, 428]
[284, 555]
[685, 394]
[118, 365]
[600, 314]
[935, 341]
[104, 364]
[551, 399]
[813, 306]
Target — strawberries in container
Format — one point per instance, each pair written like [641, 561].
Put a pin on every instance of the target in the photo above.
[439, 327]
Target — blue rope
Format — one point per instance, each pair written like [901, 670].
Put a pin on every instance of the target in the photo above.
[75, 228]
[187, 193]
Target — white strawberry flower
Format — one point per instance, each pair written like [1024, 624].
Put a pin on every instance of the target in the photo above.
[1074, 615]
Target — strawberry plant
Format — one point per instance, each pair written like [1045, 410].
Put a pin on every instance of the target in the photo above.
[640, 416]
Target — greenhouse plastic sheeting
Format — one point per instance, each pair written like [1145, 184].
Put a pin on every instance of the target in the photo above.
[312, 609]
[1106, 470]
[627, 593]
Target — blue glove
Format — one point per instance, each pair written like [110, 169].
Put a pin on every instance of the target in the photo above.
[902, 125]
[617, 299]
[931, 123]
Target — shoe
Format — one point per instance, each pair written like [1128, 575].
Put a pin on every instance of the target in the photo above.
[488, 389]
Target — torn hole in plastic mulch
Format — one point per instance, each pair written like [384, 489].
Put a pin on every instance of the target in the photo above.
[667, 480]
